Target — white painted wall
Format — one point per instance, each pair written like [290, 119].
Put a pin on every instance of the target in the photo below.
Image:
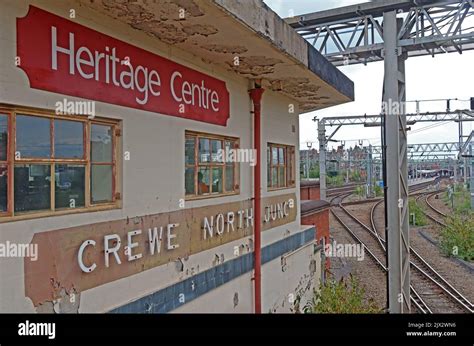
[153, 180]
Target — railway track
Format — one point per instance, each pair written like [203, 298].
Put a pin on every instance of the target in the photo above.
[429, 210]
[430, 291]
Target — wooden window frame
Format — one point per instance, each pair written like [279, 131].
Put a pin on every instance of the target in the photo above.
[288, 165]
[211, 165]
[12, 161]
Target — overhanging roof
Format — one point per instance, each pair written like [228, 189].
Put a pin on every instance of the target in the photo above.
[217, 31]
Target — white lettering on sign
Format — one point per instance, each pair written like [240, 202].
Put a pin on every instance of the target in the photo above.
[129, 78]
[84, 60]
[193, 94]
[214, 225]
[112, 245]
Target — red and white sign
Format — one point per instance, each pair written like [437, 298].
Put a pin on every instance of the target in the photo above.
[61, 56]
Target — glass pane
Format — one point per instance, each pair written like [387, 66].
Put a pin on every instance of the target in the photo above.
[269, 170]
[33, 136]
[101, 183]
[70, 186]
[229, 178]
[275, 156]
[189, 181]
[32, 187]
[203, 180]
[204, 150]
[3, 137]
[281, 178]
[229, 145]
[3, 188]
[190, 146]
[216, 147]
[101, 143]
[281, 156]
[275, 176]
[217, 181]
[68, 139]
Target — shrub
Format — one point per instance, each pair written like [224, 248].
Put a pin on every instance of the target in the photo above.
[457, 238]
[335, 181]
[378, 191]
[414, 208]
[343, 297]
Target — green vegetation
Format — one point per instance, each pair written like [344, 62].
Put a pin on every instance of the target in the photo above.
[457, 238]
[378, 191]
[360, 191]
[414, 208]
[461, 200]
[343, 297]
[314, 173]
[355, 176]
[335, 181]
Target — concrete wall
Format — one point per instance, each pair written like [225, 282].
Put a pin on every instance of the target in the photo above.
[153, 180]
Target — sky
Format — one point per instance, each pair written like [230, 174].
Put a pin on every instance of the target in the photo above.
[444, 76]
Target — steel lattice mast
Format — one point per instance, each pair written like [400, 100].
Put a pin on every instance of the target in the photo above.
[392, 31]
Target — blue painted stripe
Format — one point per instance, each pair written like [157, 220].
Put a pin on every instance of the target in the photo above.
[171, 297]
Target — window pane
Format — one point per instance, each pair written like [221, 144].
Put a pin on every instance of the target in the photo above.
[189, 150]
[204, 150]
[32, 187]
[70, 186]
[101, 143]
[101, 183]
[229, 145]
[281, 156]
[269, 170]
[275, 156]
[189, 181]
[275, 176]
[68, 139]
[3, 188]
[217, 181]
[33, 136]
[3, 137]
[203, 180]
[216, 147]
[281, 178]
[229, 178]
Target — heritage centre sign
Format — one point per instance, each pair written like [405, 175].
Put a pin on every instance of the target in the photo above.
[65, 57]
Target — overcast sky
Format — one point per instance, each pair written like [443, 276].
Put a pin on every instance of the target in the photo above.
[445, 76]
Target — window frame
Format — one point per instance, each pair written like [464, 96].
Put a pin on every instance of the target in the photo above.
[236, 165]
[288, 165]
[116, 124]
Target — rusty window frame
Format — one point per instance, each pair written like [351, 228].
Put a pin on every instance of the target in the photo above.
[288, 166]
[52, 161]
[196, 136]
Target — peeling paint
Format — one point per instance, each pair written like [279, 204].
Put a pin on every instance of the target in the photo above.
[225, 49]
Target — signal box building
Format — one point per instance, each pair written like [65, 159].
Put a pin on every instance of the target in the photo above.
[148, 157]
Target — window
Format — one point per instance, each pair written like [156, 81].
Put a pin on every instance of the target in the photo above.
[56, 163]
[206, 171]
[280, 166]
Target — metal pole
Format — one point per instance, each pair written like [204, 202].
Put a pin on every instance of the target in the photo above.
[322, 159]
[398, 252]
[472, 177]
[369, 171]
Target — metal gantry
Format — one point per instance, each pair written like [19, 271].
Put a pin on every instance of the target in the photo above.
[355, 34]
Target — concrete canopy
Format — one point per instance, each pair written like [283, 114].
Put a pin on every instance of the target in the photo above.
[218, 31]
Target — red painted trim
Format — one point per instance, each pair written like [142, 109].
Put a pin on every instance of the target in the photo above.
[256, 96]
